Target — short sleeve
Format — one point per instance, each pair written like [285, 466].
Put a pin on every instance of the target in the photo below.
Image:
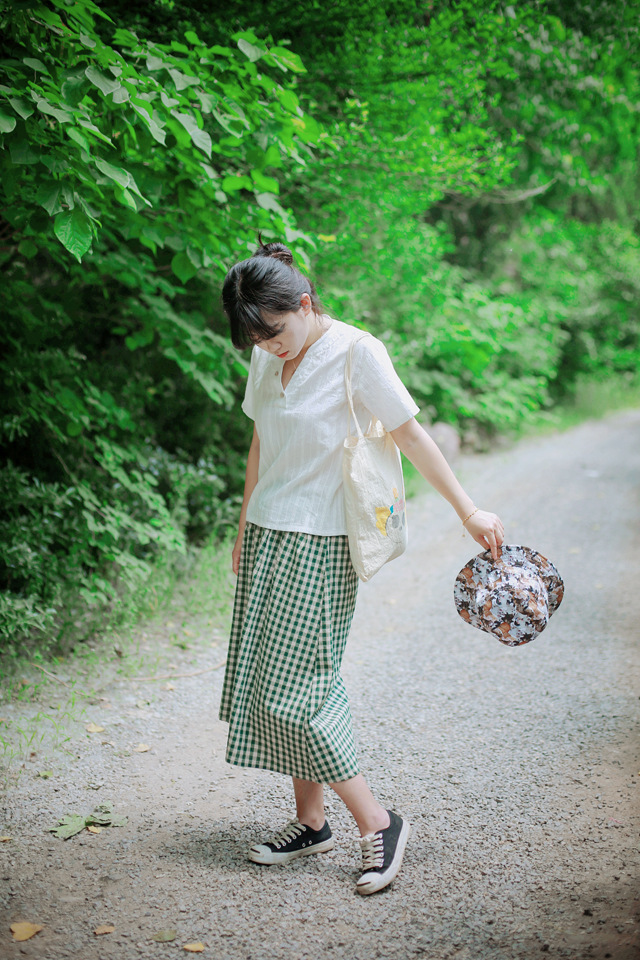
[377, 385]
[248, 404]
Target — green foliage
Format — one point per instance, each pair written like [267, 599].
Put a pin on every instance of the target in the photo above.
[133, 173]
[461, 177]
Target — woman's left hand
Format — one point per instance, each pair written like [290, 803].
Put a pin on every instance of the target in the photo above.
[487, 530]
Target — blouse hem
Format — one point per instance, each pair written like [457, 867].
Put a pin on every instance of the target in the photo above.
[296, 528]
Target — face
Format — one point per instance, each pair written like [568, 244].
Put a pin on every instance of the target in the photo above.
[293, 332]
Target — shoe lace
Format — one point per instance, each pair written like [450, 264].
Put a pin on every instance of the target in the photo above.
[372, 851]
[290, 832]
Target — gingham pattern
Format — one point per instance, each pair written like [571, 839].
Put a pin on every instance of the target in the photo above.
[283, 695]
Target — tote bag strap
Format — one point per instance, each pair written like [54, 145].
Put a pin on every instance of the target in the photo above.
[347, 383]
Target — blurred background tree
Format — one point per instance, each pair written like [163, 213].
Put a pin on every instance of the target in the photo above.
[461, 177]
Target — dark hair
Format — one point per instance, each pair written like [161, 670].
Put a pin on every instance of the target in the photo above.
[254, 290]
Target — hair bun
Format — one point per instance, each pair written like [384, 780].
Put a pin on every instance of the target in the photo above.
[277, 251]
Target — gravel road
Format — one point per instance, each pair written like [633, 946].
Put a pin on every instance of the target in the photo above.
[518, 768]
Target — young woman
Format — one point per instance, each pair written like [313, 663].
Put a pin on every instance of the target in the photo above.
[283, 696]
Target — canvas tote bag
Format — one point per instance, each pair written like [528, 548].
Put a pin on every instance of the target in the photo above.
[373, 491]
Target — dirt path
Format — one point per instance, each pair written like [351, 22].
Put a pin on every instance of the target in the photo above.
[518, 768]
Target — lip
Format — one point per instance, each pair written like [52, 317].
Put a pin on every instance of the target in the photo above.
[281, 355]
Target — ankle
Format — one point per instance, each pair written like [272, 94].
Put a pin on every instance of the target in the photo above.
[314, 822]
[373, 823]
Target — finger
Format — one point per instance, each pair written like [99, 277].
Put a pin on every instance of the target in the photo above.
[482, 540]
[493, 546]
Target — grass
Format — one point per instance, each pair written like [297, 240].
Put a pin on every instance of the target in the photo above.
[171, 617]
[591, 400]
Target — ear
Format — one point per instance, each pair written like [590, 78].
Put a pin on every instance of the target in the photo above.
[305, 302]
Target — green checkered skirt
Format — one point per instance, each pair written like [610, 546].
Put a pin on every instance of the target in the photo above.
[283, 696]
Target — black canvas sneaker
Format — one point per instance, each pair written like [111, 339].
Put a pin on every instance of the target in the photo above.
[296, 840]
[382, 854]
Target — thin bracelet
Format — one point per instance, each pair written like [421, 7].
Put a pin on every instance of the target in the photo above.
[470, 515]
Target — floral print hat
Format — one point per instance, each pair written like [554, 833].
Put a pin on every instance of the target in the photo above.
[511, 597]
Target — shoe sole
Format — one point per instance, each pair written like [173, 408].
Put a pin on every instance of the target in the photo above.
[377, 881]
[262, 854]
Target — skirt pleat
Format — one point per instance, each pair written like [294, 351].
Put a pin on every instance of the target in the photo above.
[283, 695]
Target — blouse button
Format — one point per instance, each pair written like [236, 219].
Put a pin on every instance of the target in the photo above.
[282, 393]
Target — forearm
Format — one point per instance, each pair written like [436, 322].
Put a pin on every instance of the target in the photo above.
[250, 478]
[416, 444]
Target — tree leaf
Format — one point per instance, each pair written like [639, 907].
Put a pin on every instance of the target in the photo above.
[70, 825]
[21, 107]
[73, 230]
[79, 138]
[199, 137]
[183, 268]
[121, 176]
[99, 80]
[27, 248]
[268, 202]
[98, 133]
[233, 183]
[165, 936]
[262, 182]
[36, 65]
[73, 90]
[183, 80]
[63, 116]
[194, 947]
[94, 728]
[48, 196]
[7, 123]
[24, 931]
[289, 101]
[103, 928]
[250, 50]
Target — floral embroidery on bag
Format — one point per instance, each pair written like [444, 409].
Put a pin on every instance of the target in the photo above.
[391, 520]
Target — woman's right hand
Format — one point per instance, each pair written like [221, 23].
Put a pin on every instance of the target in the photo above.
[235, 554]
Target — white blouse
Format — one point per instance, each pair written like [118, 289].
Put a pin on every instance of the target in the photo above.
[302, 428]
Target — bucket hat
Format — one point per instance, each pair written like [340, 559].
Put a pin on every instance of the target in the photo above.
[511, 597]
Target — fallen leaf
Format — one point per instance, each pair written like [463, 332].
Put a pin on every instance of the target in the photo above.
[142, 748]
[73, 823]
[105, 928]
[93, 728]
[194, 947]
[165, 936]
[69, 826]
[170, 686]
[5, 839]
[45, 774]
[101, 815]
[93, 829]
[24, 931]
